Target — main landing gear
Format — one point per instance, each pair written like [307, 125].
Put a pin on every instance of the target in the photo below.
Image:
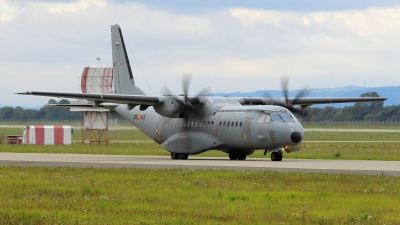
[276, 156]
[182, 156]
[236, 156]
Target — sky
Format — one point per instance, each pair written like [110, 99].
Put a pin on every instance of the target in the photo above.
[228, 46]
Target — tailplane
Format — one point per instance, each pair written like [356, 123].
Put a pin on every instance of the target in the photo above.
[124, 82]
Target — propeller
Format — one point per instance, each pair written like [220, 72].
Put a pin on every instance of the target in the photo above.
[286, 103]
[185, 100]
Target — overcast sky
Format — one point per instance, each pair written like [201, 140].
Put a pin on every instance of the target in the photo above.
[227, 45]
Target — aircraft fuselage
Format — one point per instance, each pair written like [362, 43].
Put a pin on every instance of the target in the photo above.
[227, 128]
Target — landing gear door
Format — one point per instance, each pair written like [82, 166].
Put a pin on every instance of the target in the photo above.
[247, 129]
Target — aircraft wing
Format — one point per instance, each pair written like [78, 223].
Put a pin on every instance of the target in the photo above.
[307, 101]
[99, 98]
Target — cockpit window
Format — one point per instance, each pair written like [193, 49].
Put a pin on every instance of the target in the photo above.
[267, 118]
[286, 117]
[276, 118]
[261, 119]
[264, 118]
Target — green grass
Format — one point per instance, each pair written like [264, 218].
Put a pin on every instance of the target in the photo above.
[351, 136]
[66, 195]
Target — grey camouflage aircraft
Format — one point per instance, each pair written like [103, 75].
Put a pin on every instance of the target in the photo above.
[188, 125]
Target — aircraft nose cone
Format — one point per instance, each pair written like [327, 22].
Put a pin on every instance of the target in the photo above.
[296, 137]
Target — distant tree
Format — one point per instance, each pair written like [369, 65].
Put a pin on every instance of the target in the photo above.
[362, 109]
[369, 105]
[63, 101]
[7, 112]
[52, 101]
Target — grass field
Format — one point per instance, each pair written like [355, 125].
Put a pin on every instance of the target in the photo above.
[68, 195]
[57, 195]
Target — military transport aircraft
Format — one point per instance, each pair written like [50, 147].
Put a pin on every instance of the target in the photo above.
[188, 125]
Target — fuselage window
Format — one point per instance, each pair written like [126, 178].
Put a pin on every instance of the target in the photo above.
[195, 124]
[180, 124]
[192, 124]
[286, 117]
[212, 123]
[240, 124]
[232, 124]
[276, 118]
[224, 123]
[261, 119]
[220, 122]
[236, 124]
[228, 124]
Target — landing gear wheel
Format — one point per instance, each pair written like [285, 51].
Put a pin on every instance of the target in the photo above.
[280, 156]
[233, 156]
[242, 157]
[183, 156]
[174, 155]
[276, 156]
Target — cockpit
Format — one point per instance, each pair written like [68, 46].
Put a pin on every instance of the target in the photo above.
[276, 117]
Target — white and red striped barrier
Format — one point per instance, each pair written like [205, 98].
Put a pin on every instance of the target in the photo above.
[47, 135]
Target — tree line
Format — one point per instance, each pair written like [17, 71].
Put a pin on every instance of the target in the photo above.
[359, 111]
[45, 113]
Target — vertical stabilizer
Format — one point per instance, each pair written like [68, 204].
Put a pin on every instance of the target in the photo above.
[124, 82]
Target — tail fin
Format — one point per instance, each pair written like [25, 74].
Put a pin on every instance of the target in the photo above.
[124, 82]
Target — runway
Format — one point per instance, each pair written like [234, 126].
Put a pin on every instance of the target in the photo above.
[391, 168]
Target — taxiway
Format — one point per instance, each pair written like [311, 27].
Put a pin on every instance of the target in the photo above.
[157, 162]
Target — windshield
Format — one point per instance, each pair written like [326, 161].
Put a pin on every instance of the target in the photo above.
[276, 118]
[286, 117]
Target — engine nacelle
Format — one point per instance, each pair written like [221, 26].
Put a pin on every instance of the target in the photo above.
[169, 108]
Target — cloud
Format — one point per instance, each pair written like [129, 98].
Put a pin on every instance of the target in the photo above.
[45, 46]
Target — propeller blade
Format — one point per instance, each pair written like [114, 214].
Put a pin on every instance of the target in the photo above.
[285, 84]
[185, 84]
[303, 92]
[165, 91]
[286, 104]
[204, 91]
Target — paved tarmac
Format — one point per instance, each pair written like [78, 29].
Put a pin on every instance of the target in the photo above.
[157, 162]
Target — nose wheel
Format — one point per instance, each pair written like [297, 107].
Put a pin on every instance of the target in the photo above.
[276, 156]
